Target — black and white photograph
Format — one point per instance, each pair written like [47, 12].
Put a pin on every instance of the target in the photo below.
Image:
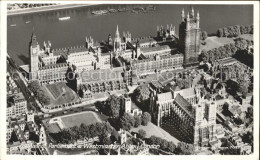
[130, 79]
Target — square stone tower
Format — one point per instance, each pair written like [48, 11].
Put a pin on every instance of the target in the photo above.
[189, 38]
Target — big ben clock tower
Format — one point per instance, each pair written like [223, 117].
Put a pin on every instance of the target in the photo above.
[189, 38]
[34, 64]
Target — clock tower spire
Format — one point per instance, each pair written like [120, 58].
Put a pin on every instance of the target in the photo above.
[34, 57]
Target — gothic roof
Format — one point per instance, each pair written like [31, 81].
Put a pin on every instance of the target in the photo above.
[184, 104]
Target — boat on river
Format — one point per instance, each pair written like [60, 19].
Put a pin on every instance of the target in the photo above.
[64, 18]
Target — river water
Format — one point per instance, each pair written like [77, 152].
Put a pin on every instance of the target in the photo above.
[82, 23]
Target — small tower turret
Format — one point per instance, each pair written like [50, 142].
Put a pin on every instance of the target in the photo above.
[192, 12]
[198, 19]
[110, 40]
[182, 15]
[89, 42]
[127, 37]
[138, 49]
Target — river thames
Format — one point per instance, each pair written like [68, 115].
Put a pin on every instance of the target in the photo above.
[82, 23]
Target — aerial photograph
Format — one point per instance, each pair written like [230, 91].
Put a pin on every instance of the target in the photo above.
[129, 79]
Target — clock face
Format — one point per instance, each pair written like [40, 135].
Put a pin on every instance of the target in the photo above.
[34, 51]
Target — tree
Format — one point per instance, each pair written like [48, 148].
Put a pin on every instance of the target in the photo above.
[171, 146]
[137, 120]
[126, 121]
[225, 106]
[228, 49]
[34, 86]
[158, 141]
[237, 30]
[113, 104]
[152, 139]
[114, 135]
[164, 144]
[204, 35]
[225, 32]
[92, 131]
[145, 118]
[106, 141]
[185, 148]
[233, 48]
[203, 56]
[220, 32]
[141, 96]
[142, 133]
[243, 30]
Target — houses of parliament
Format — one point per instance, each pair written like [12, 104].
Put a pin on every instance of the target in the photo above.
[132, 56]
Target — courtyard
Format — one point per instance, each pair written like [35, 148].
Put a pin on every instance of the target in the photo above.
[60, 93]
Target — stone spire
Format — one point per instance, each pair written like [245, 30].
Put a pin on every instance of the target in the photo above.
[117, 32]
[188, 16]
[192, 12]
[182, 14]
[198, 15]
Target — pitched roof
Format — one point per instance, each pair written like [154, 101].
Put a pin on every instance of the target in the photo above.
[165, 96]
[184, 104]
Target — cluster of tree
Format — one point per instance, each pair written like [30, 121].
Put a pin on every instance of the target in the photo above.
[244, 54]
[141, 133]
[35, 87]
[239, 86]
[141, 96]
[234, 31]
[128, 121]
[165, 145]
[227, 50]
[184, 148]
[113, 106]
[70, 135]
